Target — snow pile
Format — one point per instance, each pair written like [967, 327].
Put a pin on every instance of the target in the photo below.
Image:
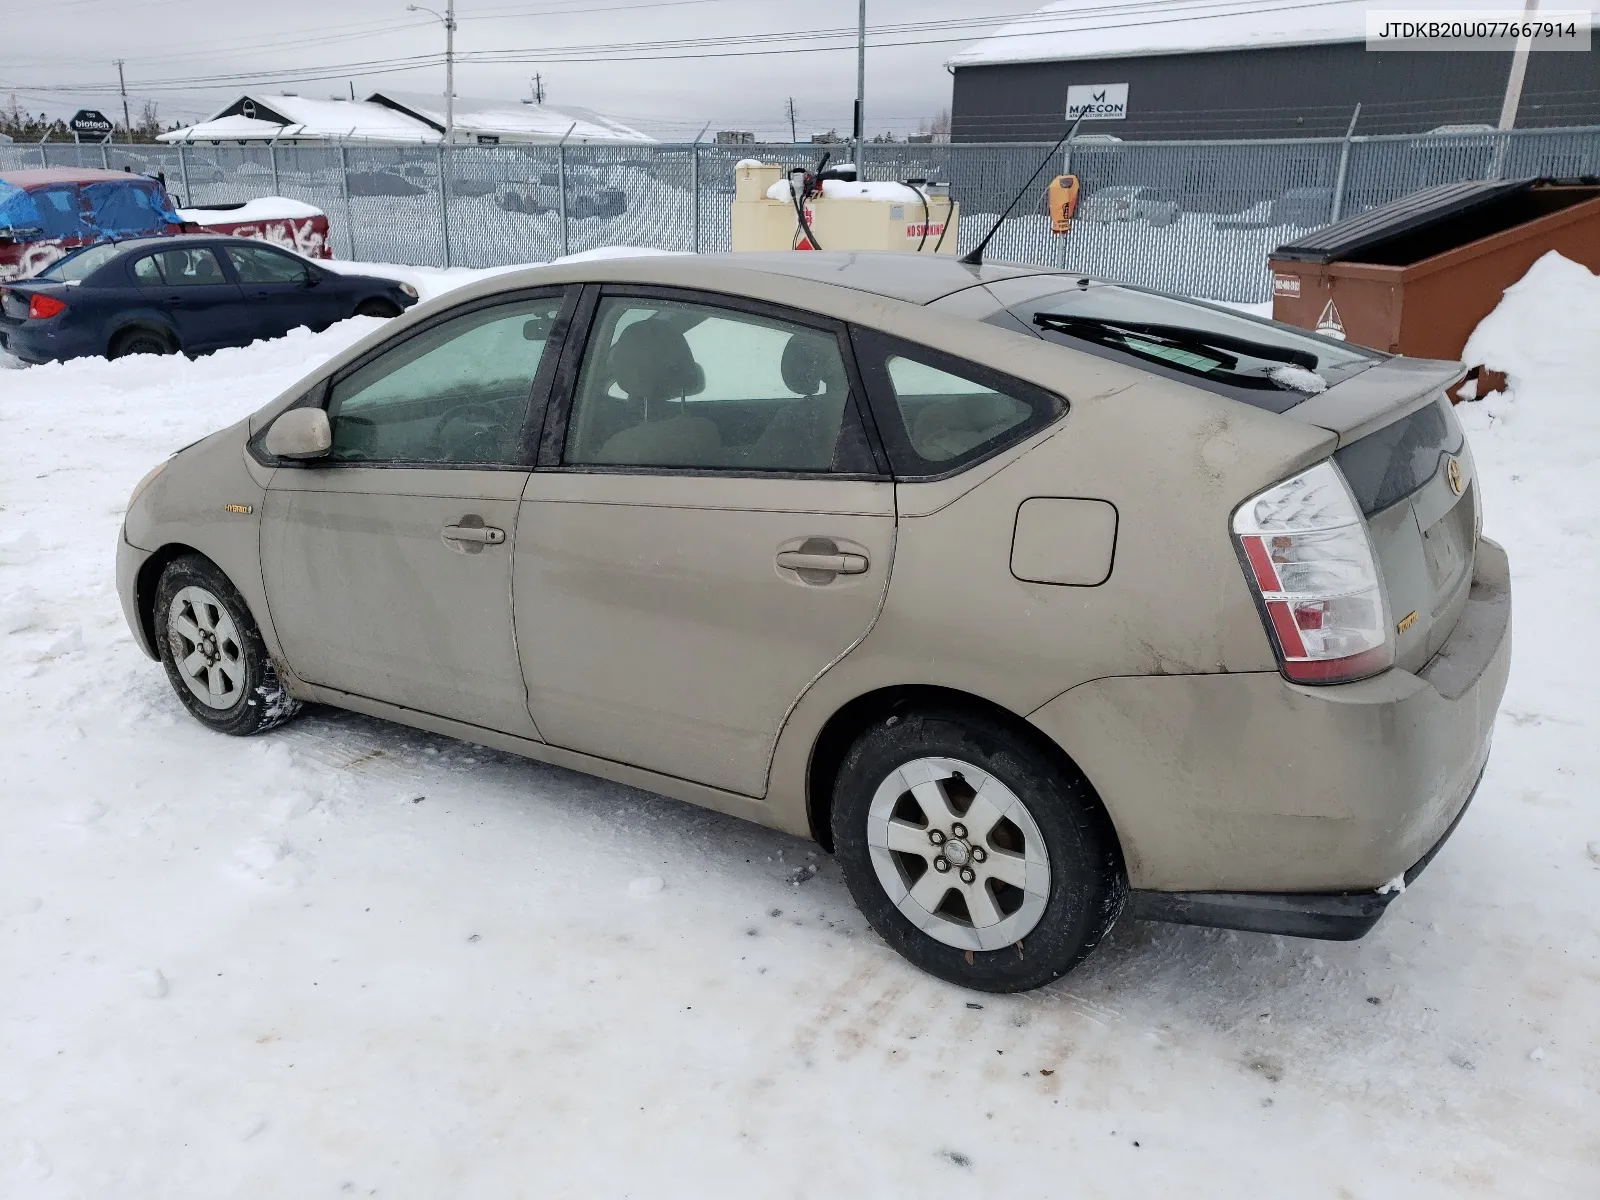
[844, 189]
[263, 208]
[352, 958]
[1298, 379]
[1546, 326]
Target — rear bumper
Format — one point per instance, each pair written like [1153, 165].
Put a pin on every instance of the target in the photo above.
[1248, 784]
[1335, 917]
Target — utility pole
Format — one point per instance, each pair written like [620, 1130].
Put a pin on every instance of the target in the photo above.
[1519, 70]
[793, 136]
[538, 89]
[861, 86]
[122, 84]
[449, 19]
[450, 72]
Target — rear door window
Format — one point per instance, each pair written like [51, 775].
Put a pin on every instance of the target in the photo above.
[257, 264]
[938, 413]
[196, 267]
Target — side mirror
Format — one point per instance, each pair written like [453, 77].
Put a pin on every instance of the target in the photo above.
[300, 433]
[311, 280]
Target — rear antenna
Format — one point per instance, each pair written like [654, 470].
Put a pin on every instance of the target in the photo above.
[974, 257]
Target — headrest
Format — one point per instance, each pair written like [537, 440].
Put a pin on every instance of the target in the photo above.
[652, 361]
[809, 362]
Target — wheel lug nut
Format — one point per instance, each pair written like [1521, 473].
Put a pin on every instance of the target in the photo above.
[936, 837]
[958, 830]
[940, 865]
[967, 875]
[979, 854]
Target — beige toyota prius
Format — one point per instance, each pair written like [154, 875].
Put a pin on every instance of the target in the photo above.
[1028, 595]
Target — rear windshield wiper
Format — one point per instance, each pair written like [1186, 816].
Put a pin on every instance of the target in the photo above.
[1179, 337]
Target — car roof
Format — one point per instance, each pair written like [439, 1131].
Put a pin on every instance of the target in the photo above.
[39, 176]
[913, 278]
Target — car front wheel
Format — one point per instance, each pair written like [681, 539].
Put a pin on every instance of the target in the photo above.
[213, 652]
[973, 852]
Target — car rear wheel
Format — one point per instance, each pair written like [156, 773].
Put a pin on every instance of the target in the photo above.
[139, 341]
[376, 308]
[212, 650]
[972, 852]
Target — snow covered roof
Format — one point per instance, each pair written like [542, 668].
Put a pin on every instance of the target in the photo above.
[1069, 30]
[519, 122]
[263, 118]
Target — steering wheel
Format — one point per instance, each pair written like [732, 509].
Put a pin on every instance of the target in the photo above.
[480, 438]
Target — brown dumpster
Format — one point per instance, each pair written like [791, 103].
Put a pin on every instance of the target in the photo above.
[1416, 276]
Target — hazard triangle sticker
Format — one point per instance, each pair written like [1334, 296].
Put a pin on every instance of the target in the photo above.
[1328, 324]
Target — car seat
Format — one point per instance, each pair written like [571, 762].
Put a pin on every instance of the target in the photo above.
[652, 365]
[803, 434]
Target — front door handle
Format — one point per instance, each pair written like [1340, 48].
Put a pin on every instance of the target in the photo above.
[483, 535]
[834, 564]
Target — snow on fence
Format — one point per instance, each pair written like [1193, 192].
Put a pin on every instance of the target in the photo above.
[1200, 220]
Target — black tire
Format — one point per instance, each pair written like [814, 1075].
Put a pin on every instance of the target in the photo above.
[256, 699]
[377, 308]
[138, 341]
[1086, 887]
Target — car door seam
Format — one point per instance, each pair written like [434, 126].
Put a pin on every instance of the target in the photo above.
[883, 599]
[511, 601]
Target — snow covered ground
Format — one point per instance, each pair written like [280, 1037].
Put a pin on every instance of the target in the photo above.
[352, 959]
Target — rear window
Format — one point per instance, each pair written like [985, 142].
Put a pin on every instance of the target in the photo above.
[1258, 361]
[82, 264]
[1385, 467]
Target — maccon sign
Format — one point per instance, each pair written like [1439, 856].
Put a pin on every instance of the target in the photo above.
[1097, 101]
[86, 120]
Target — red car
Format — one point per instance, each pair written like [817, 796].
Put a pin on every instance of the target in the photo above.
[46, 214]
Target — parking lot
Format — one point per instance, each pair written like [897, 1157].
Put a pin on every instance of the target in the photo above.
[351, 958]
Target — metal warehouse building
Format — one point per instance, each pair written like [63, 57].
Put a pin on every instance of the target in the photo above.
[1175, 69]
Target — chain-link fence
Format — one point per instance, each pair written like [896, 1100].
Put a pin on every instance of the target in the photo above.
[1192, 217]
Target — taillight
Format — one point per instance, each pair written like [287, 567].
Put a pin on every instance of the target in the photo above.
[41, 308]
[1311, 563]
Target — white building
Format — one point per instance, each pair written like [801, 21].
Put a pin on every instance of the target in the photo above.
[398, 118]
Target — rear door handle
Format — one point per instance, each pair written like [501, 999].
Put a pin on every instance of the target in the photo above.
[482, 535]
[836, 564]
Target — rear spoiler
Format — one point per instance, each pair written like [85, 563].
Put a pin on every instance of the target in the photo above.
[1371, 399]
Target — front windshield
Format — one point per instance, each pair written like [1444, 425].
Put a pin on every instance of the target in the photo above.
[1236, 369]
[81, 263]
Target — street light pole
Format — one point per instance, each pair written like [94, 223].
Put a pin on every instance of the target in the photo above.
[448, 18]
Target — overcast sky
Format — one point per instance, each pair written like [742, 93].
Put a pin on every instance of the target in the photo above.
[169, 45]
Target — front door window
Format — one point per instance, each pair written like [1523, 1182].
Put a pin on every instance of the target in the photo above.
[455, 393]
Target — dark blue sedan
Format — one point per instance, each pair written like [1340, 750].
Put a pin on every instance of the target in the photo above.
[189, 293]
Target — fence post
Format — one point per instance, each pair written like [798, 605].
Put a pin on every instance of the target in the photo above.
[1066, 169]
[344, 188]
[694, 191]
[561, 186]
[183, 174]
[105, 157]
[1344, 167]
[272, 153]
[444, 204]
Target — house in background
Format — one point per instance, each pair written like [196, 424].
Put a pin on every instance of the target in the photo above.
[1243, 69]
[398, 118]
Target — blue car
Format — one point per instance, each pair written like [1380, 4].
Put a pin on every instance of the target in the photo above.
[189, 294]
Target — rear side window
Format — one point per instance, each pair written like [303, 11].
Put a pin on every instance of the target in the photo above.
[938, 413]
[1385, 467]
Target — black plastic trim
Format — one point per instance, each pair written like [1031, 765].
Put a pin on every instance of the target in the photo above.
[1327, 916]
